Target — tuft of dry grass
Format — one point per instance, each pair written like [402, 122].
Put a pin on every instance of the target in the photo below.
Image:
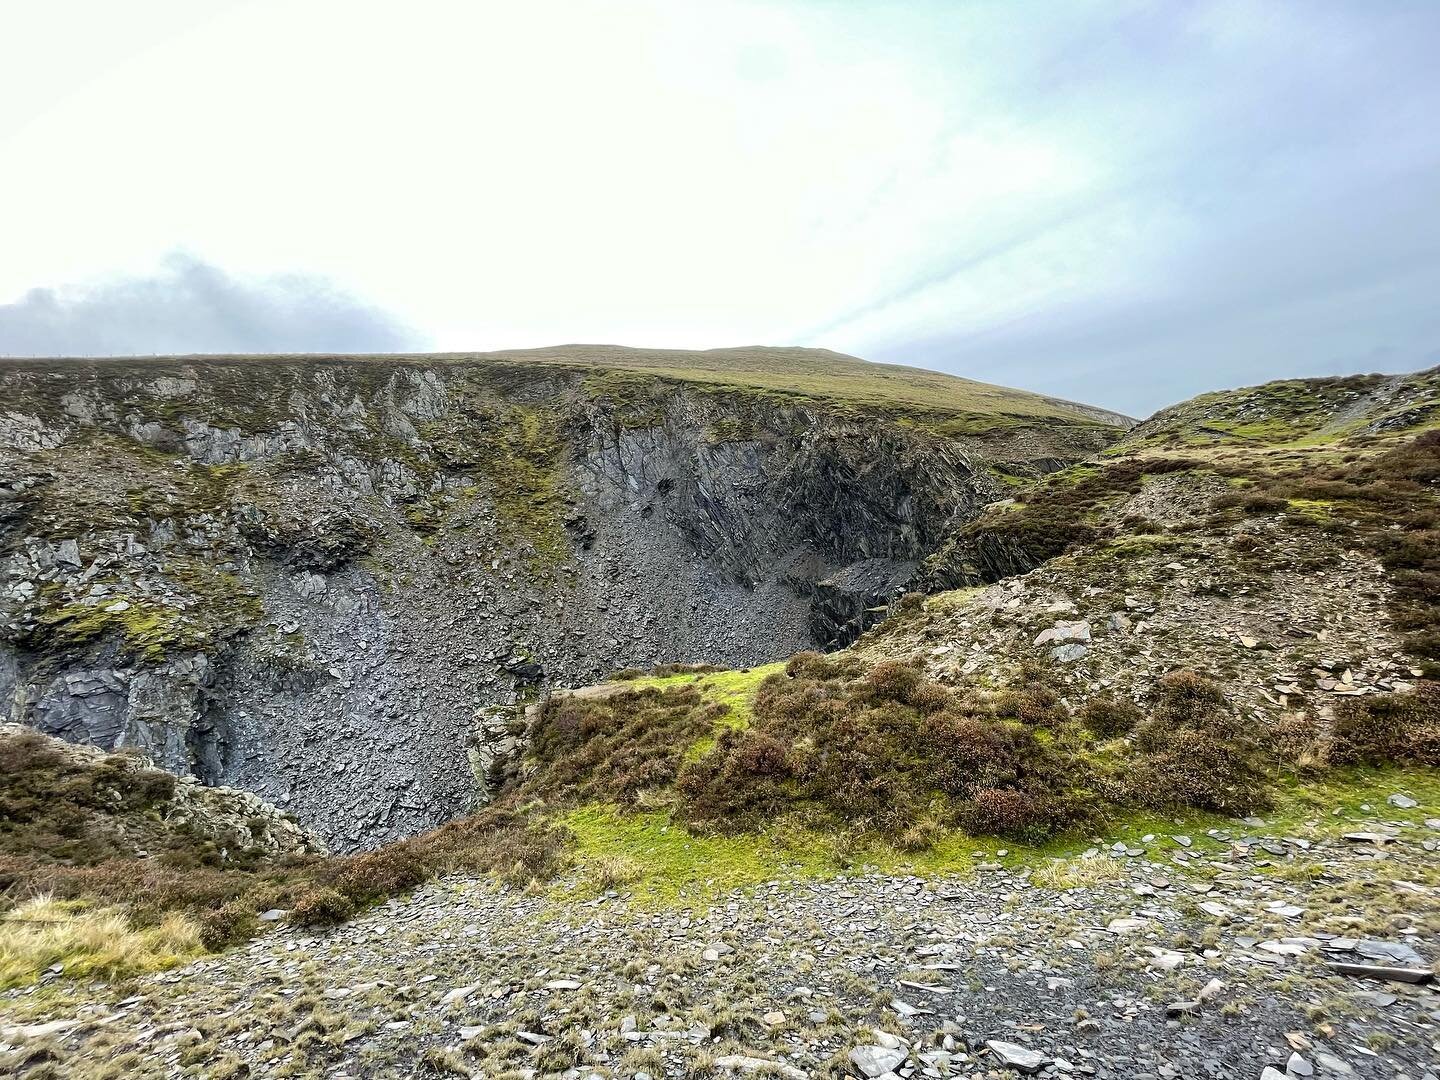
[44, 932]
[1078, 872]
[613, 871]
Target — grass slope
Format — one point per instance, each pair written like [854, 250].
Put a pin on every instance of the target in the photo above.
[1296, 412]
[816, 374]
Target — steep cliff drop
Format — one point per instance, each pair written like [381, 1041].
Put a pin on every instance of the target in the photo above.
[328, 580]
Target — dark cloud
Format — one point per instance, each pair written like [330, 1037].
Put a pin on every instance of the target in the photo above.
[193, 307]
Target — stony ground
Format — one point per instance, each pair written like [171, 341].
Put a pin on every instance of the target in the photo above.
[1286, 620]
[1205, 955]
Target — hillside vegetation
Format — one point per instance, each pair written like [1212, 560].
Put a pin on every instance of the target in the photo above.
[929, 734]
[1144, 770]
[819, 375]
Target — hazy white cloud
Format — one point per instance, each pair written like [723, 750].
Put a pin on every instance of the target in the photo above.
[1122, 200]
[191, 307]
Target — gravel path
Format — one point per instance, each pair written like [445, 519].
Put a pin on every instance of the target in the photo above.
[1204, 956]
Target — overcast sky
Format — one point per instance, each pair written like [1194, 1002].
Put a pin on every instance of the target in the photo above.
[1121, 202]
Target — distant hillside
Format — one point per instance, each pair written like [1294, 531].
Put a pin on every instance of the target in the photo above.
[818, 374]
[1298, 410]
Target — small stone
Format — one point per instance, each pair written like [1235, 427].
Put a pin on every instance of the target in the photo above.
[1404, 802]
[1380, 971]
[1016, 1056]
[876, 1060]
[741, 1063]
[1298, 1066]
[1165, 960]
[1289, 911]
[37, 1031]
[1377, 998]
[1384, 951]
[1282, 948]
[460, 993]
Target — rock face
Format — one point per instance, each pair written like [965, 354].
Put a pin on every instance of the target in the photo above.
[303, 576]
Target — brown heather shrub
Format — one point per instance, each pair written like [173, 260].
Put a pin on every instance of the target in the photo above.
[383, 872]
[1108, 716]
[610, 749]
[1195, 752]
[921, 836]
[811, 665]
[1296, 739]
[1388, 729]
[663, 670]
[1197, 769]
[1141, 525]
[66, 808]
[930, 697]
[739, 782]
[1034, 705]
[911, 603]
[1186, 698]
[321, 906]
[891, 680]
[974, 751]
[1052, 518]
[1007, 812]
[871, 749]
[1249, 502]
[228, 925]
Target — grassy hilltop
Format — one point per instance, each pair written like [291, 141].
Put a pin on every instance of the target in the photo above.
[948, 403]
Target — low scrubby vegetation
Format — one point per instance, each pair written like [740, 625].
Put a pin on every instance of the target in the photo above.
[1387, 502]
[87, 941]
[92, 869]
[1060, 513]
[1387, 729]
[835, 744]
[56, 805]
[613, 749]
[829, 745]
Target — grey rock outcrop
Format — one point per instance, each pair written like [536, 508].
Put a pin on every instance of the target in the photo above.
[302, 577]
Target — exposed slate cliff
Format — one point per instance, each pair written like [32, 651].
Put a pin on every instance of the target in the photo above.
[304, 576]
